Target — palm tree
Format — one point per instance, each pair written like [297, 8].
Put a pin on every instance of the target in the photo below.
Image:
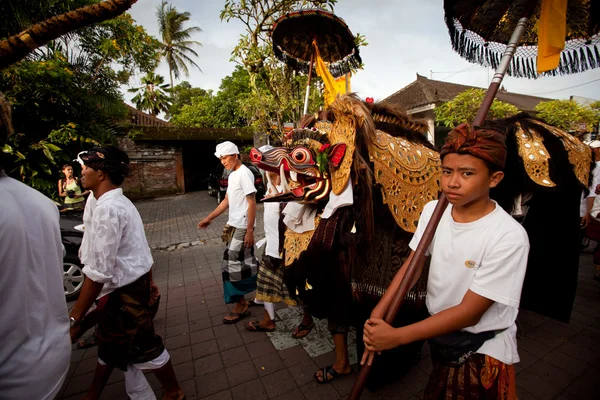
[152, 96]
[175, 40]
[18, 46]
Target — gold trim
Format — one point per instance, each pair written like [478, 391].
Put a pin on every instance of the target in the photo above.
[296, 243]
[342, 131]
[409, 174]
[535, 156]
[580, 155]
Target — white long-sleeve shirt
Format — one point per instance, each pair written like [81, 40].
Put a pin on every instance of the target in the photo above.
[114, 249]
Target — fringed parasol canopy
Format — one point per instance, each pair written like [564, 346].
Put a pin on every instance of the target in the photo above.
[293, 35]
[480, 29]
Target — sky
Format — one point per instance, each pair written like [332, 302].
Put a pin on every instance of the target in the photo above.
[406, 37]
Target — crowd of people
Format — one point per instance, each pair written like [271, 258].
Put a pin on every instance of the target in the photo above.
[478, 263]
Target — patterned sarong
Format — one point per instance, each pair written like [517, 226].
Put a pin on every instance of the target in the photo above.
[125, 327]
[239, 267]
[480, 377]
[269, 284]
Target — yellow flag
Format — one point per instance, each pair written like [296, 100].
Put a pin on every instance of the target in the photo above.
[332, 86]
[552, 31]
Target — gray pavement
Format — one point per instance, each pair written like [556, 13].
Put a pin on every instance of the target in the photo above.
[215, 361]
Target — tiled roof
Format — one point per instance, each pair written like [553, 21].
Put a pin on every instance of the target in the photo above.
[425, 91]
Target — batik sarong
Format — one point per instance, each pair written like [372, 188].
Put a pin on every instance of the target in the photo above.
[125, 327]
[480, 377]
[269, 283]
[239, 267]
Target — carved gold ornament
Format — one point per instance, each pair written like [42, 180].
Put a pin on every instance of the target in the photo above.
[296, 243]
[535, 156]
[409, 174]
[580, 155]
[342, 131]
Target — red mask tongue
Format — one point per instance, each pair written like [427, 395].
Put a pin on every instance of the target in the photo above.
[298, 191]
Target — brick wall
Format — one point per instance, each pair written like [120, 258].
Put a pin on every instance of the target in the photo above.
[155, 169]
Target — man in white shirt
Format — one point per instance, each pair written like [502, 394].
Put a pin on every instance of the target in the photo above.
[239, 265]
[478, 263]
[587, 202]
[35, 349]
[118, 272]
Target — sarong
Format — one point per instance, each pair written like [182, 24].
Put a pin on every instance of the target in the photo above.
[269, 283]
[480, 377]
[239, 267]
[125, 327]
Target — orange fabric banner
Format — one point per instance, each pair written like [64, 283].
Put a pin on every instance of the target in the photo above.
[552, 31]
[333, 87]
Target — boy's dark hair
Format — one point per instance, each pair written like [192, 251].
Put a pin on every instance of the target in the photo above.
[111, 160]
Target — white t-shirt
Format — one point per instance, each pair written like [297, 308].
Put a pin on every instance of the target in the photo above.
[488, 257]
[271, 220]
[114, 249]
[583, 209]
[240, 185]
[35, 347]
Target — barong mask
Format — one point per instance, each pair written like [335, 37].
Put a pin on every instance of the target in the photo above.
[305, 164]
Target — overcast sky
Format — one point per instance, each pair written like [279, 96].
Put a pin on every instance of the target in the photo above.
[405, 37]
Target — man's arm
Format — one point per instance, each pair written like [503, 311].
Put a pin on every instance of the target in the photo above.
[221, 208]
[89, 292]
[249, 237]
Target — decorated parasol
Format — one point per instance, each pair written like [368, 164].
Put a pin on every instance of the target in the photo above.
[315, 38]
[489, 32]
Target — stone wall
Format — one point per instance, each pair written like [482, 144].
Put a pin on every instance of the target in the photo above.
[155, 169]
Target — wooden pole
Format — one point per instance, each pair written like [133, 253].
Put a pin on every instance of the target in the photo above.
[419, 256]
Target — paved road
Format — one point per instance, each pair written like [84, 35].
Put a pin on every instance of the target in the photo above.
[215, 361]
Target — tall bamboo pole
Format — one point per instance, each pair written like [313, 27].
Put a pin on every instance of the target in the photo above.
[419, 256]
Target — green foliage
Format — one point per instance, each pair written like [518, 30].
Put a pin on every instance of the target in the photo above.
[153, 95]
[176, 46]
[66, 96]
[465, 105]
[182, 95]
[226, 109]
[569, 115]
[277, 93]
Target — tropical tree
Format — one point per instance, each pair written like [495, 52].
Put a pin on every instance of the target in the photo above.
[153, 95]
[176, 44]
[465, 105]
[277, 91]
[568, 115]
[182, 95]
[19, 45]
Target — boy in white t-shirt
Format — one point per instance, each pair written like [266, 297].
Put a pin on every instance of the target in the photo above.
[478, 262]
[239, 266]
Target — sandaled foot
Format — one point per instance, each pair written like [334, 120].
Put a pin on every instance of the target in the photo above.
[254, 326]
[234, 317]
[328, 374]
[302, 331]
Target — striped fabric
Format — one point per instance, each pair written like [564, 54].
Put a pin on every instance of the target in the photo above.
[270, 286]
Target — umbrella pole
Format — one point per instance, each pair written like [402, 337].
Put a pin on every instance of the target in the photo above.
[419, 256]
[310, 68]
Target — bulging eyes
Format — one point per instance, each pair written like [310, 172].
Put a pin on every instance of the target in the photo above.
[301, 155]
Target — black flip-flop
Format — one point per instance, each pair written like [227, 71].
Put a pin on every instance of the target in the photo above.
[302, 328]
[253, 326]
[328, 370]
[87, 342]
[238, 317]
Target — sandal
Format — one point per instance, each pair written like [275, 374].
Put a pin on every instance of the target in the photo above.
[238, 317]
[87, 342]
[329, 371]
[253, 326]
[302, 328]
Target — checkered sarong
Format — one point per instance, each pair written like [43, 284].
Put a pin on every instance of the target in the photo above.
[270, 286]
[239, 262]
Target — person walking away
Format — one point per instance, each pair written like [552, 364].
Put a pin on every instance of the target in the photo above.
[239, 266]
[69, 187]
[478, 263]
[34, 325]
[118, 272]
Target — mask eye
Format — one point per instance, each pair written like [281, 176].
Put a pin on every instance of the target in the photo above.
[300, 155]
